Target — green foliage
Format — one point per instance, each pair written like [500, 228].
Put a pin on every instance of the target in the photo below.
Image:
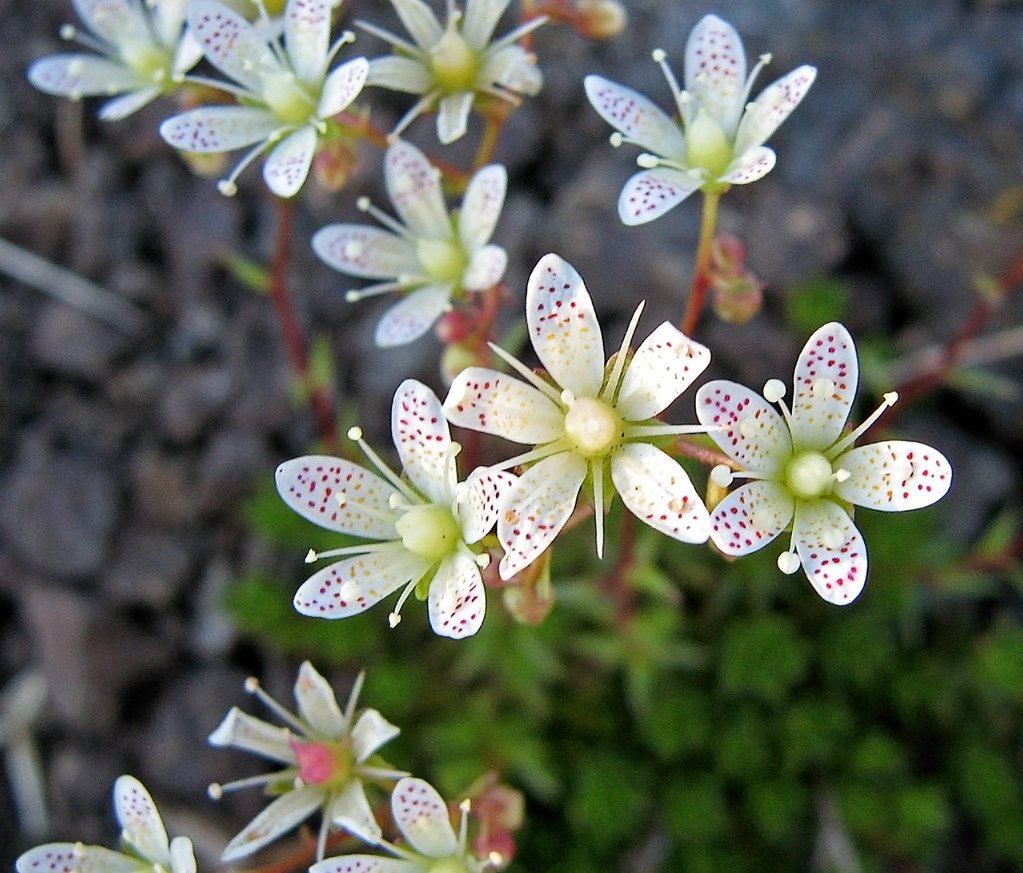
[814, 303]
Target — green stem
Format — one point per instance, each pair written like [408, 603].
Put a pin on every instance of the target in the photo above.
[708, 223]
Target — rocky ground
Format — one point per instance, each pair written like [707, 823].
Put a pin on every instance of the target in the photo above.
[130, 436]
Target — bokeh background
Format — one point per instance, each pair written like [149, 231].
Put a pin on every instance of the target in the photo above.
[728, 720]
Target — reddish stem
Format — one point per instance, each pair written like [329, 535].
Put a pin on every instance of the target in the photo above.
[701, 280]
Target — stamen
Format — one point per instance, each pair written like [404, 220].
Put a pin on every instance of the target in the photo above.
[517, 33]
[321, 839]
[463, 825]
[355, 295]
[228, 187]
[216, 790]
[495, 859]
[355, 434]
[345, 38]
[421, 105]
[774, 390]
[527, 374]
[611, 389]
[388, 37]
[482, 561]
[649, 430]
[647, 161]
[890, 399]
[567, 397]
[364, 204]
[721, 475]
[616, 139]
[227, 87]
[253, 687]
[761, 63]
[597, 472]
[537, 454]
[275, 50]
[313, 556]
[788, 562]
[660, 58]
[353, 697]
[70, 33]
[394, 619]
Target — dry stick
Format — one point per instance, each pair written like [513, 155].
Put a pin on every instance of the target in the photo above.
[294, 341]
[708, 222]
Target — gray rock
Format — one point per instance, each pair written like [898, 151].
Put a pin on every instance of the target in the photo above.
[150, 567]
[194, 399]
[71, 343]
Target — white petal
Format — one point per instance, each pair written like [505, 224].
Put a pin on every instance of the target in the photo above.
[182, 856]
[651, 193]
[715, 71]
[399, 74]
[894, 475]
[62, 857]
[413, 184]
[243, 731]
[370, 733]
[365, 251]
[481, 206]
[499, 404]
[168, 17]
[457, 598]
[307, 36]
[141, 825]
[824, 387]
[419, 21]
[218, 128]
[772, 107]
[342, 86]
[486, 268]
[831, 551]
[126, 104]
[536, 509]
[423, 440]
[664, 366]
[338, 495]
[287, 166]
[117, 21]
[412, 316]
[750, 517]
[481, 17]
[187, 55]
[317, 703]
[78, 75]
[453, 116]
[513, 68]
[639, 119]
[750, 430]
[355, 584]
[480, 501]
[365, 864]
[281, 816]
[351, 811]
[749, 166]
[563, 326]
[422, 816]
[659, 492]
[230, 43]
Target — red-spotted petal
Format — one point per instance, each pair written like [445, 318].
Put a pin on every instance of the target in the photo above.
[893, 475]
[342, 86]
[486, 268]
[563, 326]
[126, 104]
[117, 21]
[715, 71]
[74, 858]
[306, 37]
[218, 128]
[81, 75]
[317, 703]
[338, 495]
[230, 43]
[639, 119]
[831, 550]
[748, 429]
[422, 816]
[278, 818]
[457, 598]
[453, 116]
[825, 385]
[750, 517]
[749, 166]
[659, 492]
[481, 206]
[364, 251]
[364, 864]
[354, 584]
[499, 404]
[413, 184]
[772, 107]
[287, 166]
[536, 508]
[141, 825]
[664, 366]
[651, 193]
[412, 316]
[480, 501]
[423, 440]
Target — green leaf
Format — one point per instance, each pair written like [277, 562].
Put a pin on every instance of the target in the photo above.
[814, 303]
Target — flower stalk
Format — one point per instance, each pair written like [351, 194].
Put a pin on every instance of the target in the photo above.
[701, 278]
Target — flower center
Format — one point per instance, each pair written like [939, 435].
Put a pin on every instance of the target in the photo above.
[285, 97]
[429, 531]
[444, 261]
[449, 865]
[706, 145]
[330, 764]
[454, 62]
[148, 61]
[808, 475]
[593, 427]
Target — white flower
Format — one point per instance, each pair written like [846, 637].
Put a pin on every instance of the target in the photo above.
[286, 93]
[422, 817]
[143, 838]
[421, 530]
[450, 65]
[326, 755]
[721, 140]
[592, 421]
[806, 472]
[144, 52]
[432, 256]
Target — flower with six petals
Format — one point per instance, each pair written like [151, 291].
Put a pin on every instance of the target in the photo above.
[593, 420]
[326, 755]
[721, 140]
[285, 91]
[432, 256]
[420, 530]
[451, 66]
[805, 471]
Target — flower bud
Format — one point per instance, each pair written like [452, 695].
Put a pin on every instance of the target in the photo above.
[335, 163]
[529, 595]
[736, 293]
[600, 19]
[454, 359]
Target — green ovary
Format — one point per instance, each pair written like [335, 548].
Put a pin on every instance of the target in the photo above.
[448, 865]
[707, 146]
[429, 531]
[593, 427]
[286, 98]
[808, 475]
[454, 63]
[149, 62]
[442, 260]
